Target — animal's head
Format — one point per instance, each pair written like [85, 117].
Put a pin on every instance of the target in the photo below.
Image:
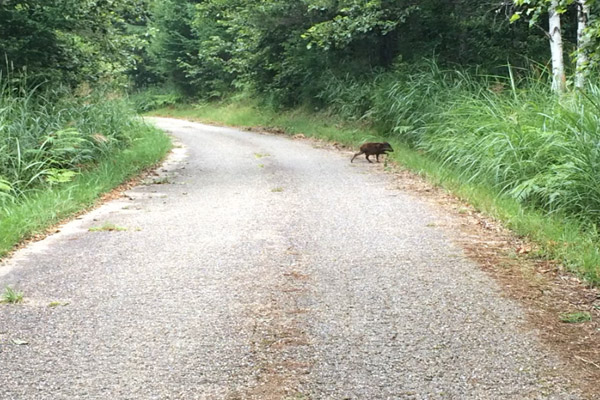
[385, 146]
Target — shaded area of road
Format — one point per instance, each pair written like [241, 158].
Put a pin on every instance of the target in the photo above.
[259, 267]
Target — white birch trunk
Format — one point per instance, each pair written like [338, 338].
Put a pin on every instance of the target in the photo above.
[556, 48]
[583, 15]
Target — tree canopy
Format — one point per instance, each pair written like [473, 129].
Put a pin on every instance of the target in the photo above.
[70, 41]
[287, 48]
[281, 47]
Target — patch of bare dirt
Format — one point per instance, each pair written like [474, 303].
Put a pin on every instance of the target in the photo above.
[279, 338]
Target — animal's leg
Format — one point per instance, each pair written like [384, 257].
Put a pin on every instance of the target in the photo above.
[357, 154]
[367, 155]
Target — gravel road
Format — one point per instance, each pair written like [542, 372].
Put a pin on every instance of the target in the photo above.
[259, 267]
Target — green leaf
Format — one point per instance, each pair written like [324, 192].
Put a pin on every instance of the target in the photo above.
[60, 175]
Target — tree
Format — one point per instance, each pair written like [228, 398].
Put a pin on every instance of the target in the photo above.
[559, 81]
[69, 41]
[289, 50]
[583, 16]
[174, 46]
[554, 8]
[588, 33]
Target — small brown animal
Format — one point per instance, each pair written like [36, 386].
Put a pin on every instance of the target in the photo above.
[369, 149]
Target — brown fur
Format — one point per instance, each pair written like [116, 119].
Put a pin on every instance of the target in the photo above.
[369, 149]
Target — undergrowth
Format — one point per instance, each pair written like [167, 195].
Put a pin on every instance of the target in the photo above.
[47, 137]
[59, 151]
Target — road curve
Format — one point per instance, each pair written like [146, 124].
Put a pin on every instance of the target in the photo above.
[259, 267]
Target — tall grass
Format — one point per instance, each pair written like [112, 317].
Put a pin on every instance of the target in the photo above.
[47, 137]
[531, 146]
[39, 209]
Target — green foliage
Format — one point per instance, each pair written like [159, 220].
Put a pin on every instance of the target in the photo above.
[356, 20]
[534, 9]
[11, 296]
[286, 51]
[70, 41]
[47, 137]
[174, 46]
[576, 317]
[512, 135]
[346, 96]
[542, 152]
[155, 97]
[39, 209]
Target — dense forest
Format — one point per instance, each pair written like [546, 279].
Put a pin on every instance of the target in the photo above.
[503, 91]
[288, 51]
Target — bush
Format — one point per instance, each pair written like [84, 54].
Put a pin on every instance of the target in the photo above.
[155, 98]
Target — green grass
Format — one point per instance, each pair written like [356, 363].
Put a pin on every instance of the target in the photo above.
[43, 208]
[568, 240]
[576, 317]
[108, 227]
[11, 296]
[54, 304]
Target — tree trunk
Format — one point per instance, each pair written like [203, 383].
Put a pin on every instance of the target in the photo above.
[583, 15]
[556, 48]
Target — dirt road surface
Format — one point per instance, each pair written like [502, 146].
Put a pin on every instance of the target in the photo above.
[259, 267]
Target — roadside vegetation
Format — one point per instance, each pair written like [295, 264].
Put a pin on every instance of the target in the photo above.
[68, 134]
[11, 296]
[60, 153]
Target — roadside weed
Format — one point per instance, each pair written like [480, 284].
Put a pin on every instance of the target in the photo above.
[576, 317]
[11, 296]
[107, 227]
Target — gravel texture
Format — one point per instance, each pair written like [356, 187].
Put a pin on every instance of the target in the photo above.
[258, 267]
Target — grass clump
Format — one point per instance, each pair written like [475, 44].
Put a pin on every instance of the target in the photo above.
[55, 304]
[11, 296]
[47, 138]
[576, 317]
[108, 227]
